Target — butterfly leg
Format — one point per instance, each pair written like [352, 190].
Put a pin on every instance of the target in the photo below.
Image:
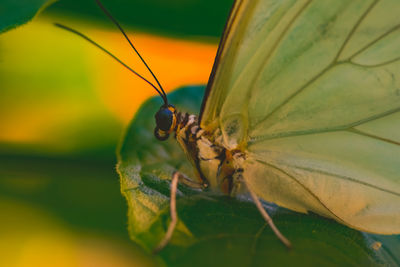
[174, 216]
[264, 214]
[183, 179]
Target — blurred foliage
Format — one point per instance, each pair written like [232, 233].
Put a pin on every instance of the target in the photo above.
[219, 231]
[14, 13]
[49, 104]
[174, 17]
[58, 212]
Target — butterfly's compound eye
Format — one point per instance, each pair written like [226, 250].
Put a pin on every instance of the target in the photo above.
[165, 121]
[164, 118]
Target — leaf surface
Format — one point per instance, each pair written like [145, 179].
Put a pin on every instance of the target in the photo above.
[14, 13]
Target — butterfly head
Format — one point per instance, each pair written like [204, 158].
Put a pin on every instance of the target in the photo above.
[165, 122]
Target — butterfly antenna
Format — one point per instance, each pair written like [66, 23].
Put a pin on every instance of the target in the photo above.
[108, 14]
[162, 94]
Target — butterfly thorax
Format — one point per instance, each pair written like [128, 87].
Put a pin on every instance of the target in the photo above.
[215, 165]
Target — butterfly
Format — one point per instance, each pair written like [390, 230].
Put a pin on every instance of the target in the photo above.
[302, 109]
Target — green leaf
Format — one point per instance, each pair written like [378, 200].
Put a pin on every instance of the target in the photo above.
[218, 230]
[178, 17]
[14, 13]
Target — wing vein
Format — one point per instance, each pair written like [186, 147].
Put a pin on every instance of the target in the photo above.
[259, 71]
[253, 140]
[323, 71]
[301, 185]
[395, 28]
[376, 65]
[356, 131]
[356, 25]
[347, 178]
[301, 89]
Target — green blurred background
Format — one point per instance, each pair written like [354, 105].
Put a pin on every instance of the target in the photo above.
[63, 108]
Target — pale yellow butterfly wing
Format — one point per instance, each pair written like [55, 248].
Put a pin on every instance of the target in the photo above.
[311, 90]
